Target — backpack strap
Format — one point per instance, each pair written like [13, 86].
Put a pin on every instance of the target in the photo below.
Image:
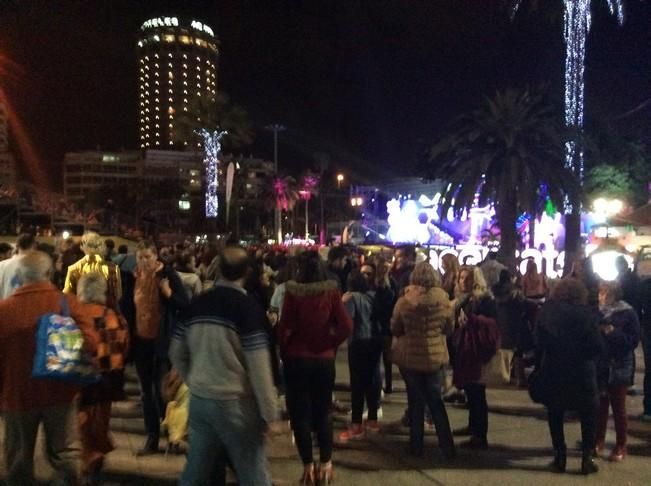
[65, 311]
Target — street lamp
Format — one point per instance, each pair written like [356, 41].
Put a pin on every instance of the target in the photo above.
[276, 127]
[356, 201]
[340, 179]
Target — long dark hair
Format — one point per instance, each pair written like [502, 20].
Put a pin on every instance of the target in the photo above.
[311, 268]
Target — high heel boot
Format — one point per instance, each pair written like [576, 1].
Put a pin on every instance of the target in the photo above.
[560, 460]
[588, 466]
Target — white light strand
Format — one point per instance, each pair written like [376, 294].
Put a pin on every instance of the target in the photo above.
[211, 148]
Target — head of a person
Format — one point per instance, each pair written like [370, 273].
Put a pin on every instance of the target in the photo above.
[609, 293]
[404, 257]
[185, 262]
[5, 250]
[147, 255]
[621, 264]
[123, 249]
[356, 281]
[570, 290]
[234, 264]
[532, 268]
[92, 244]
[368, 272]
[505, 277]
[25, 242]
[92, 288]
[34, 267]
[311, 268]
[110, 245]
[337, 257]
[582, 268]
[471, 280]
[424, 275]
[450, 264]
[492, 255]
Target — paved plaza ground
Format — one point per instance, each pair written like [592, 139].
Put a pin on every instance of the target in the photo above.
[518, 455]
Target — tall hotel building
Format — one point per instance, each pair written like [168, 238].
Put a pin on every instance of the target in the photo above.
[177, 64]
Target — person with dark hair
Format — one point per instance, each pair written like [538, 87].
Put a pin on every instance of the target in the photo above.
[222, 352]
[313, 325]
[583, 271]
[568, 343]
[184, 267]
[5, 251]
[364, 350]
[620, 328]
[159, 297]
[8, 280]
[404, 260]
[109, 245]
[339, 266]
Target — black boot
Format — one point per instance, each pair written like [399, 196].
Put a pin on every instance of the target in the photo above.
[150, 447]
[560, 460]
[588, 466]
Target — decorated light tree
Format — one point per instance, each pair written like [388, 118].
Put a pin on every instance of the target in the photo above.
[308, 188]
[211, 149]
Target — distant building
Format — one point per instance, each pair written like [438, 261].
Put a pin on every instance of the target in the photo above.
[177, 60]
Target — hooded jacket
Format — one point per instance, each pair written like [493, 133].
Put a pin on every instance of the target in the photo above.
[422, 318]
[314, 321]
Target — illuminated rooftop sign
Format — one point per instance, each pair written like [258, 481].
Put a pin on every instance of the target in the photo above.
[174, 22]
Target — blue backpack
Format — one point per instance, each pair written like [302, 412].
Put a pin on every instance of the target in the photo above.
[59, 350]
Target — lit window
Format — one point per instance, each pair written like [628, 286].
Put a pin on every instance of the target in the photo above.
[157, 125]
[185, 108]
[185, 100]
[147, 110]
[185, 39]
[156, 74]
[156, 56]
[157, 100]
[185, 56]
[170, 75]
[140, 44]
[170, 55]
[146, 58]
[169, 64]
[207, 72]
[198, 76]
[169, 38]
[171, 143]
[185, 143]
[147, 135]
[171, 126]
[156, 82]
[185, 83]
[198, 68]
[185, 75]
[156, 91]
[142, 145]
[157, 117]
[170, 100]
[147, 68]
[198, 93]
[147, 144]
[170, 110]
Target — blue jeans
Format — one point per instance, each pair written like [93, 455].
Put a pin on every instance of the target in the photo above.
[425, 388]
[222, 430]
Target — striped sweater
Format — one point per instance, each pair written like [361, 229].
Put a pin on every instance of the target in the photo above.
[222, 350]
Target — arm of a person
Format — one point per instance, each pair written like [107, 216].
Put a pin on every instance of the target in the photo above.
[343, 322]
[397, 324]
[68, 287]
[255, 347]
[179, 351]
[179, 298]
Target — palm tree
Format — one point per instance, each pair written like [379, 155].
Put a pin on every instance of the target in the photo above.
[503, 152]
[281, 192]
[309, 187]
[215, 114]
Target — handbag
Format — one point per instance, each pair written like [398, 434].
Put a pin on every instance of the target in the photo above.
[497, 372]
[60, 354]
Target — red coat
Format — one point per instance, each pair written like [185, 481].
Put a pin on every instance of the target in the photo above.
[19, 315]
[314, 321]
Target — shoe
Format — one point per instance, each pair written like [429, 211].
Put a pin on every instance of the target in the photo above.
[340, 408]
[588, 466]
[309, 475]
[150, 447]
[618, 454]
[560, 460]
[326, 474]
[598, 449]
[354, 432]
[462, 431]
[365, 414]
[475, 443]
[388, 390]
[372, 426]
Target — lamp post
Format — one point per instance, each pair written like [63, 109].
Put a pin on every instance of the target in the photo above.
[340, 179]
[275, 128]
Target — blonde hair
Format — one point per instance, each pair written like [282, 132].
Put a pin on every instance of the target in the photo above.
[92, 244]
[479, 285]
[424, 275]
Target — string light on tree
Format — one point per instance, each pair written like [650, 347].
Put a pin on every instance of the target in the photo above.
[211, 149]
[578, 19]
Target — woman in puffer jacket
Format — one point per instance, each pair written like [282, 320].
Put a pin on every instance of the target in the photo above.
[421, 320]
[620, 329]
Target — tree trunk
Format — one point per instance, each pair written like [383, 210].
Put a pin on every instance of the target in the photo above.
[307, 223]
[572, 237]
[532, 231]
[507, 215]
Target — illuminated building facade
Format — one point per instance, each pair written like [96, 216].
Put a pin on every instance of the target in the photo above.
[177, 62]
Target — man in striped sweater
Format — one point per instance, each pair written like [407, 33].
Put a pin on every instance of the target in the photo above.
[222, 353]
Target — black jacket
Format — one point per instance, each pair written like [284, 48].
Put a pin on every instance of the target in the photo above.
[568, 345]
[171, 309]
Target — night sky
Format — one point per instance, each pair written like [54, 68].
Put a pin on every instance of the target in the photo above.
[370, 83]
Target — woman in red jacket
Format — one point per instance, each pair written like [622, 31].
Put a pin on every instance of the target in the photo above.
[314, 323]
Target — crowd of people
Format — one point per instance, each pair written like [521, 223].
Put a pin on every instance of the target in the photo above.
[218, 335]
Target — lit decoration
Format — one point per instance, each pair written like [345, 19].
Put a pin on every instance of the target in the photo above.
[577, 18]
[603, 263]
[211, 148]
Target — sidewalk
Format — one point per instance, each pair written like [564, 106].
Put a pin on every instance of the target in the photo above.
[518, 455]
